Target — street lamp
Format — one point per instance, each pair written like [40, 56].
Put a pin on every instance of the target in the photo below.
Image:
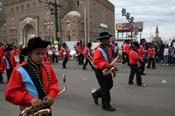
[53, 8]
[130, 20]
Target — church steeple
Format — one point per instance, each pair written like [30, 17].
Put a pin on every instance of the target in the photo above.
[157, 31]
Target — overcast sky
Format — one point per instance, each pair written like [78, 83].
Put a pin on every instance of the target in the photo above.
[151, 12]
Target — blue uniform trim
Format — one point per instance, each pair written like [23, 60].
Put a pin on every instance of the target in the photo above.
[7, 63]
[30, 86]
[104, 54]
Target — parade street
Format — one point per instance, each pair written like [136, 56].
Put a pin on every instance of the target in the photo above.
[157, 99]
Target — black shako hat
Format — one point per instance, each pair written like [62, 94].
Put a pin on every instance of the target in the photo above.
[34, 43]
[135, 45]
[8, 48]
[104, 35]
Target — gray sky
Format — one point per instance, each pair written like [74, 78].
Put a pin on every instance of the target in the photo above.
[151, 12]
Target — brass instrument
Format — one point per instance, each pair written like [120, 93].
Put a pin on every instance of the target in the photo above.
[109, 70]
[31, 111]
[65, 87]
[89, 57]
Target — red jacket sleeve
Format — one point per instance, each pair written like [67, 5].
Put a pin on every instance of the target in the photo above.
[54, 87]
[16, 92]
[85, 52]
[13, 61]
[61, 52]
[3, 64]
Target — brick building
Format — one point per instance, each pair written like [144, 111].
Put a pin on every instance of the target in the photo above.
[78, 20]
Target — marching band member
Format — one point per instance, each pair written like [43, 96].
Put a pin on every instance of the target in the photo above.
[87, 52]
[64, 54]
[141, 52]
[151, 56]
[8, 62]
[33, 83]
[125, 51]
[102, 58]
[134, 60]
[80, 53]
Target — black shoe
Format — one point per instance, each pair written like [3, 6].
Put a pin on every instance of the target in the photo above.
[142, 85]
[143, 73]
[84, 69]
[110, 108]
[1, 82]
[95, 99]
[130, 83]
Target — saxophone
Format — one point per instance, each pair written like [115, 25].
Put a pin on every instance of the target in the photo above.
[31, 111]
[107, 71]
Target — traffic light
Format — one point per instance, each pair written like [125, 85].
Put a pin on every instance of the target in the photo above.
[128, 15]
[132, 19]
[123, 11]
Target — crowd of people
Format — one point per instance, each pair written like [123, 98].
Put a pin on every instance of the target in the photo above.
[32, 81]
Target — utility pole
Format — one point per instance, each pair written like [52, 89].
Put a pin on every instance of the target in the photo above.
[53, 8]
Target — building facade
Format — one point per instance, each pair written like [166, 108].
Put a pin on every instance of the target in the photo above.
[78, 20]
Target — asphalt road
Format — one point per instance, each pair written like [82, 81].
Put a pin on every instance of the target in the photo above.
[157, 99]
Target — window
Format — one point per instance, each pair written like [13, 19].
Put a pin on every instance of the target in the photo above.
[33, 4]
[22, 7]
[78, 2]
[17, 9]
[12, 9]
[28, 6]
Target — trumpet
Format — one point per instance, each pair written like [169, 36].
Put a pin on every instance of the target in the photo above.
[31, 111]
[109, 70]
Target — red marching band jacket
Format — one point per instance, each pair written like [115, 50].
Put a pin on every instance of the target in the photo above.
[79, 49]
[99, 60]
[151, 53]
[133, 57]
[21, 90]
[87, 52]
[4, 62]
[126, 48]
[141, 52]
[64, 51]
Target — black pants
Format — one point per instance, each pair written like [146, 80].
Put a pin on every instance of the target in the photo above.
[135, 70]
[65, 60]
[142, 68]
[56, 58]
[151, 61]
[9, 72]
[1, 77]
[80, 59]
[106, 83]
[86, 62]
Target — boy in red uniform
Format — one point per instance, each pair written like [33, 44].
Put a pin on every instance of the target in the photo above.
[102, 59]
[8, 61]
[87, 52]
[33, 83]
[64, 54]
[134, 60]
[151, 56]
